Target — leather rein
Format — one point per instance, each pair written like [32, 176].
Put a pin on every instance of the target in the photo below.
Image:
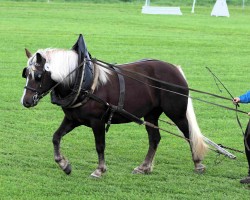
[111, 66]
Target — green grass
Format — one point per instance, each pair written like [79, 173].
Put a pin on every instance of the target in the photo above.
[120, 33]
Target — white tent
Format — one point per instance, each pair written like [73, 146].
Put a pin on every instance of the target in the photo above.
[220, 9]
[194, 2]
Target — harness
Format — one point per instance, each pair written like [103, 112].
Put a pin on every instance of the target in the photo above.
[84, 77]
[82, 89]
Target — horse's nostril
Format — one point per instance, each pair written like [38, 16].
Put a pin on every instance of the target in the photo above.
[27, 103]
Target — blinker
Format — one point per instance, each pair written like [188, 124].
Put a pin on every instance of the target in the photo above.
[38, 75]
[24, 73]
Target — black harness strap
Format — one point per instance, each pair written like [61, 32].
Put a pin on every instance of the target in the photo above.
[122, 90]
[118, 108]
[121, 111]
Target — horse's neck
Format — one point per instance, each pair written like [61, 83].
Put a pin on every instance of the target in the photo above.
[63, 90]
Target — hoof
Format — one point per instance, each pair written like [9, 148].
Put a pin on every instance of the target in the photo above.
[97, 173]
[65, 166]
[245, 180]
[68, 169]
[200, 168]
[139, 170]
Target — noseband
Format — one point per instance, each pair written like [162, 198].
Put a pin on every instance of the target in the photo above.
[37, 96]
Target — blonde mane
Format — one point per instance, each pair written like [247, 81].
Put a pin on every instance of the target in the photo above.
[61, 62]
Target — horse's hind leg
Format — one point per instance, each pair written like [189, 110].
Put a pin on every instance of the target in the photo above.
[154, 139]
[66, 126]
[182, 124]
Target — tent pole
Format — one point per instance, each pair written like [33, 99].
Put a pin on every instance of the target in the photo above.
[193, 6]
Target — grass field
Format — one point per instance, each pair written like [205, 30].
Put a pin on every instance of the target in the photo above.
[120, 33]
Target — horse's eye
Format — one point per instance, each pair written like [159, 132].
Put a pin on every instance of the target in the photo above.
[38, 76]
[24, 73]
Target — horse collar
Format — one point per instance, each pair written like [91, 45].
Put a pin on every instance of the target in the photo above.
[83, 83]
[84, 77]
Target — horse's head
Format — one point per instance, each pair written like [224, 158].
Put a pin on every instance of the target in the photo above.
[38, 79]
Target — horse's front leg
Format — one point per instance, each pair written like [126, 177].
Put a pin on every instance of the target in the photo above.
[98, 128]
[65, 127]
[154, 139]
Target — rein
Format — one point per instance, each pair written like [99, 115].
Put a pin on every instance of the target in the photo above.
[110, 67]
[236, 106]
[159, 81]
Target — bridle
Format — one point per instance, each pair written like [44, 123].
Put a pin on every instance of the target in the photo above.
[39, 76]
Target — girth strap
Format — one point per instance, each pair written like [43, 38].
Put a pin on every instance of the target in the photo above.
[122, 90]
[121, 98]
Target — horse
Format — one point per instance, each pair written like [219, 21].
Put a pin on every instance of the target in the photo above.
[57, 69]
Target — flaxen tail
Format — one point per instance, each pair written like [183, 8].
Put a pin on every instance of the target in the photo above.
[199, 147]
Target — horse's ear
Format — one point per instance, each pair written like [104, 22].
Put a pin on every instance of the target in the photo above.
[28, 54]
[39, 58]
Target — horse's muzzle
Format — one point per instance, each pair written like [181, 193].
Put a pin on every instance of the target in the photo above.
[31, 102]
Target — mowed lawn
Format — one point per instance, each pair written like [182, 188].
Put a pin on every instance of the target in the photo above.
[119, 33]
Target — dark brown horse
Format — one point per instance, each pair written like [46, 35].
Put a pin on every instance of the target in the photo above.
[53, 67]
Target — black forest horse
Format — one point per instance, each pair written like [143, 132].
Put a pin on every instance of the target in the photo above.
[56, 68]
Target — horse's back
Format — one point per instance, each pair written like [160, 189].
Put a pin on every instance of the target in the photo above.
[148, 93]
[157, 69]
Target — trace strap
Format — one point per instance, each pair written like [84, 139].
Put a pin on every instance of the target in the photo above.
[139, 121]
